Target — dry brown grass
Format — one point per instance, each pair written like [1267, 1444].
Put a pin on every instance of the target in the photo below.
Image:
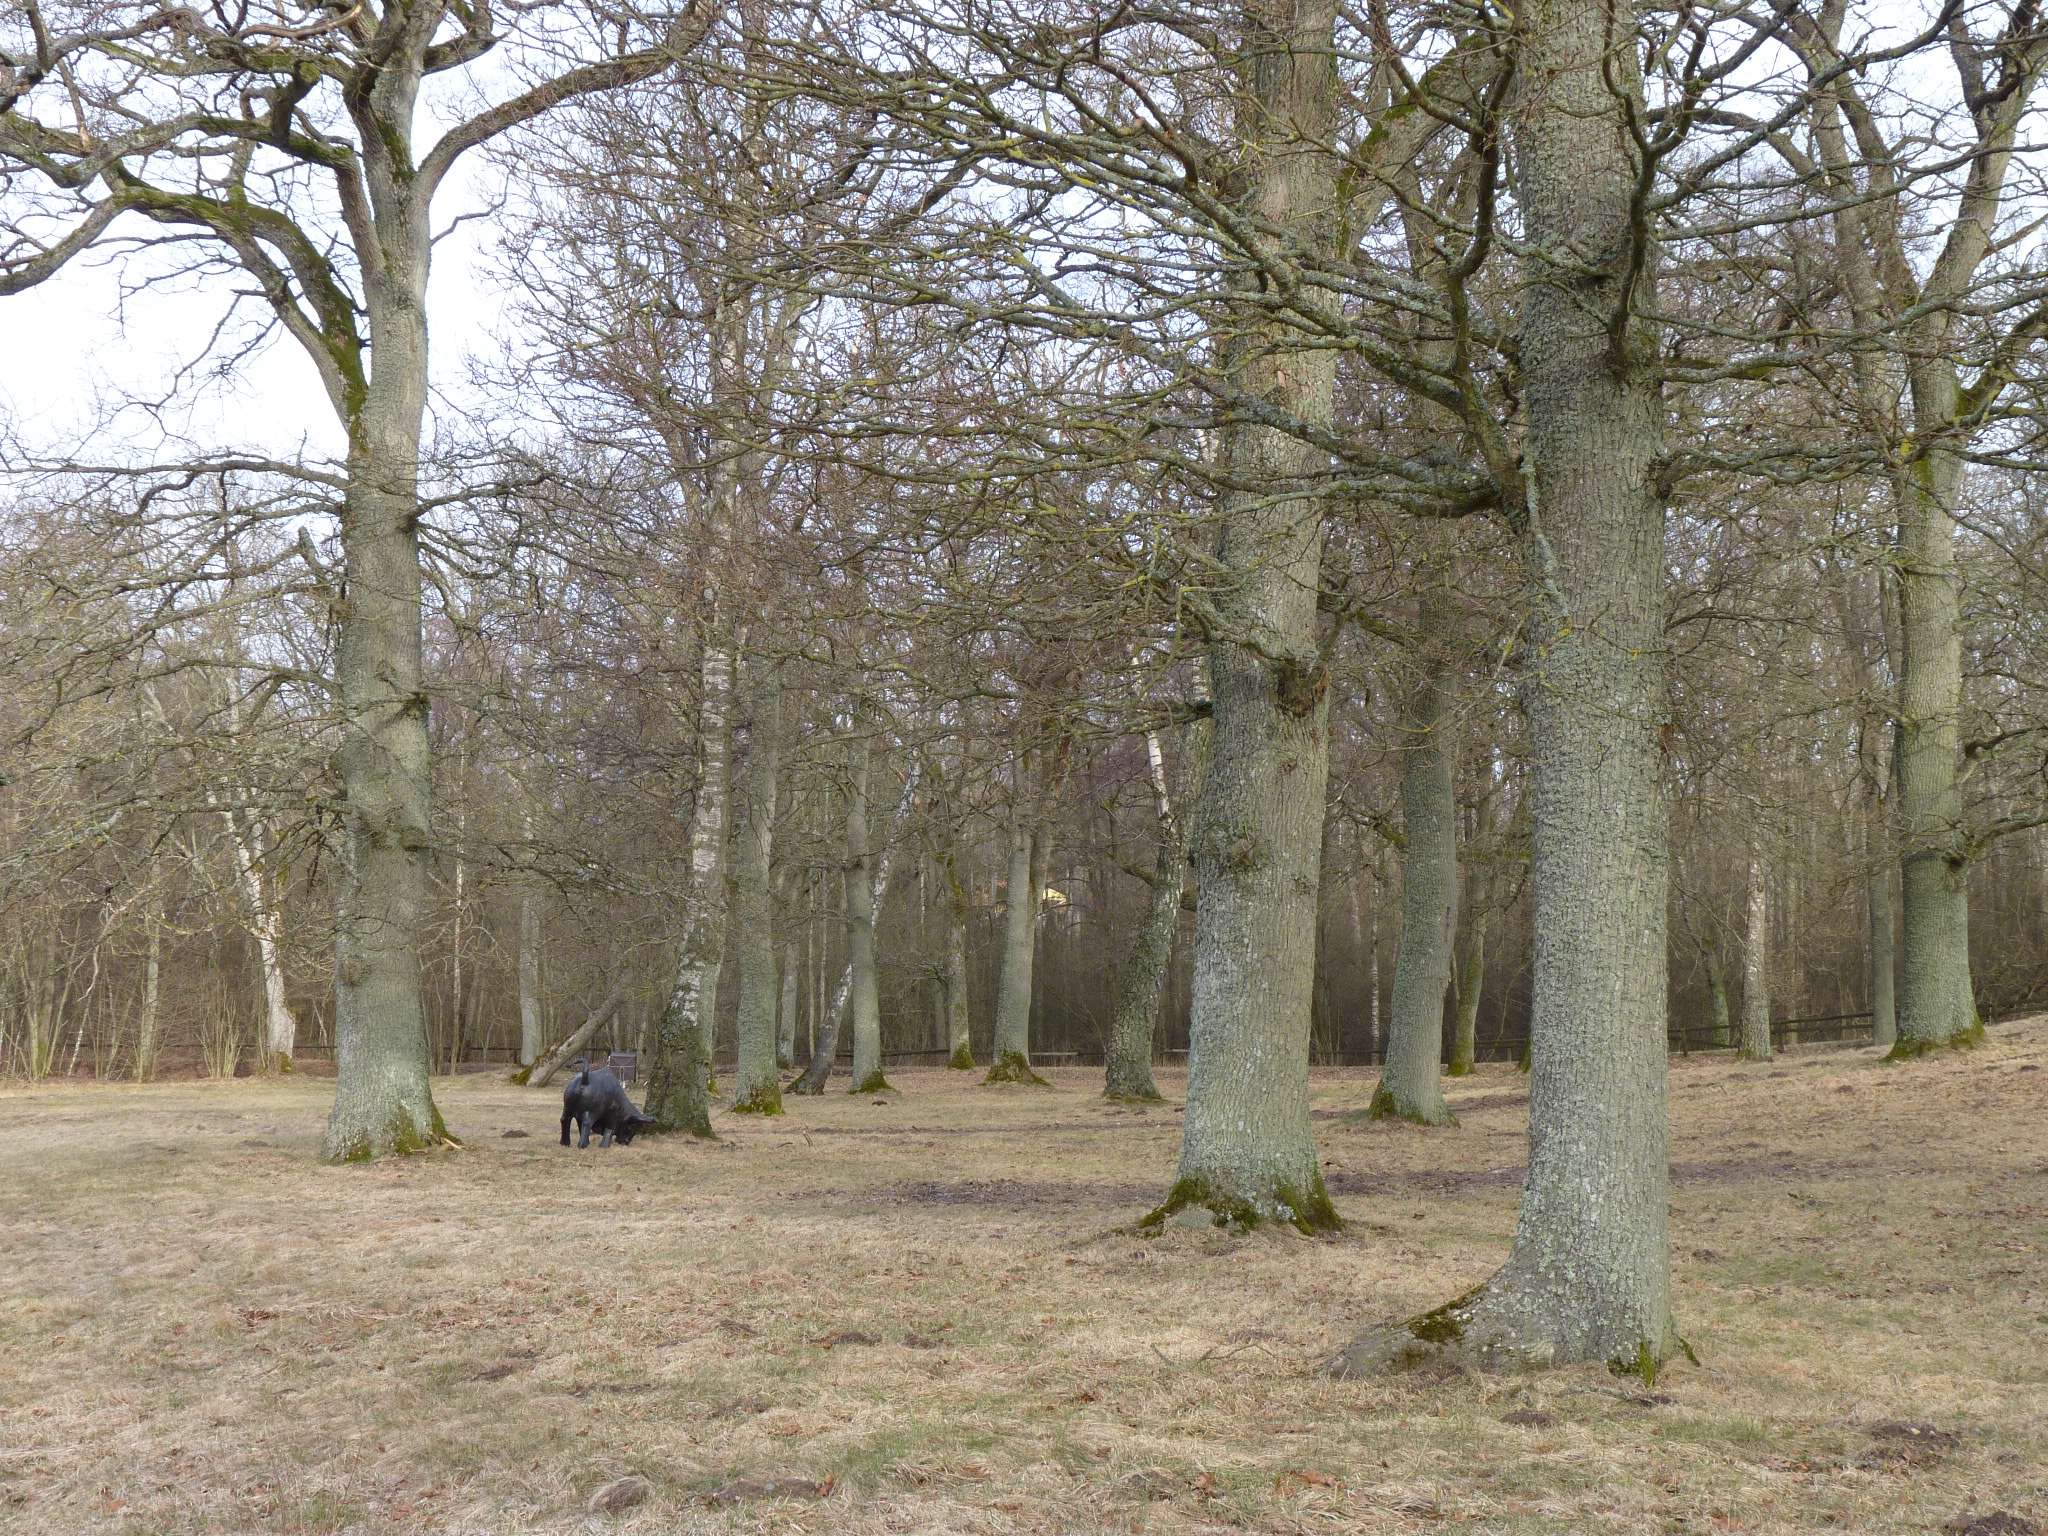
[203, 1330]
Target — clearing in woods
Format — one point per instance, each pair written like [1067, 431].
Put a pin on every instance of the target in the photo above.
[919, 1315]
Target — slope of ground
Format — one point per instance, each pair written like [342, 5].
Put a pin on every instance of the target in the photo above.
[918, 1313]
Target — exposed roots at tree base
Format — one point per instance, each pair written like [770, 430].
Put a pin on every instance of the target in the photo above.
[874, 1082]
[1308, 1212]
[1458, 1069]
[1114, 1097]
[1463, 1333]
[1013, 1067]
[400, 1136]
[765, 1100]
[962, 1060]
[1385, 1106]
[1969, 1039]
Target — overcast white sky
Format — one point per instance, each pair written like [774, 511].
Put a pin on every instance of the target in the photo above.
[88, 338]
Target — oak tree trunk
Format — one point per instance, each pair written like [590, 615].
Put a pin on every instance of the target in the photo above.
[1411, 1087]
[382, 1102]
[860, 930]
[1936, 1002]
[1247, 1153]
[1011, 1061]
[1589, 1275]
[757, 1085]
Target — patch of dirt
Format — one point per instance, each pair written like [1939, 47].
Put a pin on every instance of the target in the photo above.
[748, 1490]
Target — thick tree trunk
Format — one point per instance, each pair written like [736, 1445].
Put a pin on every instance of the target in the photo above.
[679, 1077]
[1247, 1153]
[757, 1084]
[1756, 964]
[1589, 1275]
[860, 931]
[1411, 1087]
[382, 1102]
[1936, 1003]
[1011, 1055]
[1127, 1077]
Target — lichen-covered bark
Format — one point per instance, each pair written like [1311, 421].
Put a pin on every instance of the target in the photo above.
[757, 1085]
[1411, 1088]
[679, 1077]
[1247, 1153]
[1588, 1277]
[1936, 1001]
[1756, 964]
[382, 1102]
[1012, 1051]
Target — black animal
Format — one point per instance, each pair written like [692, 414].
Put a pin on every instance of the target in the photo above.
[595, 1101]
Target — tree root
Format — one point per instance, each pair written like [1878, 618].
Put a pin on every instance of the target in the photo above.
[1308, 1212]
[1013, 1067]
[1385, 1106]
[1467, 1332]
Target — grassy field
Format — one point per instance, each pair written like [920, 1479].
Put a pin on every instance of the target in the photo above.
[919, 1313]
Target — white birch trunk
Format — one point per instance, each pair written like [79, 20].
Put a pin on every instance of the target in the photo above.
[679, 1077]
[1127, 1074]
[280, 1027]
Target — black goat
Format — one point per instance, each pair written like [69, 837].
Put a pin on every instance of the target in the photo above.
[596, 1101]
